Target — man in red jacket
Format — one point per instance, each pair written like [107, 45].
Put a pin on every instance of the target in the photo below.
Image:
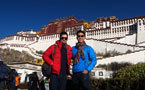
[60, 63]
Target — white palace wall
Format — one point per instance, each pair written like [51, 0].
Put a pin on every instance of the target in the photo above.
[105, 46]
[129, 39]
[134, 58]
[141, 30]
[18, 40]
[45, 41]
[142, 44]
[98, 45]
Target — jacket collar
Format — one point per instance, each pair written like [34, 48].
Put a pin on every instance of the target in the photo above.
[59, 44]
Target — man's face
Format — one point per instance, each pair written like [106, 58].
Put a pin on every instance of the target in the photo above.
[63, 38]
[81, 37]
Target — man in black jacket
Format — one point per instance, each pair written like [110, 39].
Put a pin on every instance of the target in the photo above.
[4, 71]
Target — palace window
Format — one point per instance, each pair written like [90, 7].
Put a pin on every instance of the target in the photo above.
[112, 31]
[144, 22]
[123, 22]
[139, 22]
[115, 24]
[96, 25]
[112, 24]
[100, 73]
[126, 22]
[120, 30]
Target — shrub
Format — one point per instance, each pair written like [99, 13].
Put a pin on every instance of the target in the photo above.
[111, 53]
[117, 84]
[132, 72]
[128, 51]
[114, 66]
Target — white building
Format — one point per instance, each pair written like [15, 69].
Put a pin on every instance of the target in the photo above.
[25, 69]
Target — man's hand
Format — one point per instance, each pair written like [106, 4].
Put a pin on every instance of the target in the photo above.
[49, 80]
[85, 72]
[69, 77]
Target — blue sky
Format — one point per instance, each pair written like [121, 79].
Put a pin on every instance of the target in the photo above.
[17, 15]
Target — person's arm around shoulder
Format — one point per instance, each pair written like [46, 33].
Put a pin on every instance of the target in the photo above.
[46, 55]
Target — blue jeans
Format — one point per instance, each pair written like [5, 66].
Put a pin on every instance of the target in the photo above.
[57, 82]
[80, 80]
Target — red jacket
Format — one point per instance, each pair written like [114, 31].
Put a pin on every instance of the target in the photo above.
[56, 63]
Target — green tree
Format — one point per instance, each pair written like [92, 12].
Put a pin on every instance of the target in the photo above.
[132, 72]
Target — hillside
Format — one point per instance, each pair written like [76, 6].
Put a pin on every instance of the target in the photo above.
[10, 55]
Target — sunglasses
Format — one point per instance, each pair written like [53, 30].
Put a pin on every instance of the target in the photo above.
[62, 38]
[80, 36]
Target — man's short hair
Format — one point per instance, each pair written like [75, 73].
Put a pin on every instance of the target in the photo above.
[63, 33]
[80, 31]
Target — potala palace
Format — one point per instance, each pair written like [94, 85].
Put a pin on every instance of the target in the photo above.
[104, 34]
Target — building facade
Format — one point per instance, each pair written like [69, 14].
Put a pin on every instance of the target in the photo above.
[104, 34]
